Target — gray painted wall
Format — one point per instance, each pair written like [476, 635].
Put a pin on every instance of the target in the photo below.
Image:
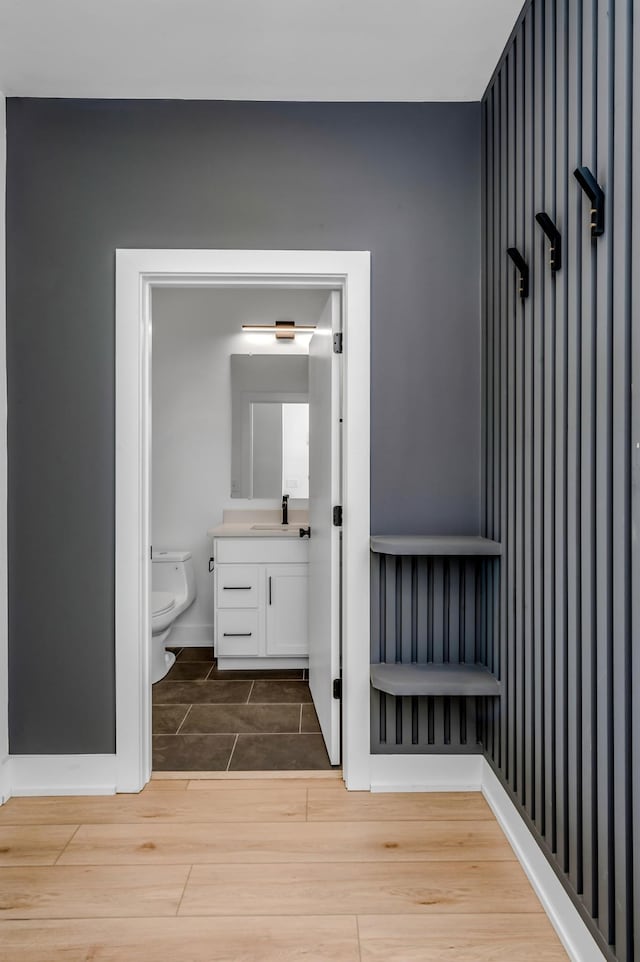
[560, 427]
[87, 177]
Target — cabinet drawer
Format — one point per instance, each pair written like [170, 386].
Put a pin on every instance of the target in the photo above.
[237, 634]
[237, 586]
[261, 550]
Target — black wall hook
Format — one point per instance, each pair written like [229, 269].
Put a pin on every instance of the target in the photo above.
[554, 236]
[595, 193]
[523, 267]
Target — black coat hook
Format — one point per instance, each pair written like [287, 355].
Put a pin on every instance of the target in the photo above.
[595, 193]
[523, 267]
[553, 234]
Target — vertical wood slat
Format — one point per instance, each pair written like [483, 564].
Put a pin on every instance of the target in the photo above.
[518, 544]
[560, 519]
[537, 501]
[604, 747]
[634, 587]
[504, 276]
[588, 586]
[508, 539]
[572, 267]
[528, 740]
[549, 557]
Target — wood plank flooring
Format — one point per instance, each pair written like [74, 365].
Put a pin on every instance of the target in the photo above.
[264, 870]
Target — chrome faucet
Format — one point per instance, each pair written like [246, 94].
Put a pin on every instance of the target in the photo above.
[285, 509]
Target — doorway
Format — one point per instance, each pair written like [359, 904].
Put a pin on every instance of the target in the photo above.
[138, 273]
[237, 415]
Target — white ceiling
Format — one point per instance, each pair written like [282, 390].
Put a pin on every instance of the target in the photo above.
[340, 50]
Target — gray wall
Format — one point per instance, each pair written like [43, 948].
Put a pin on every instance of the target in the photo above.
[560, 426]
[87, 177]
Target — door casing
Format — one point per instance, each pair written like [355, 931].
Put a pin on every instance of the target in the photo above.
[138, 272]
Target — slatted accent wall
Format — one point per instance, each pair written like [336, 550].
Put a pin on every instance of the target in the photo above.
[561, 453]
[429, 609]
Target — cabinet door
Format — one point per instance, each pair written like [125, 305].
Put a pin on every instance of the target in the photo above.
[287, 619]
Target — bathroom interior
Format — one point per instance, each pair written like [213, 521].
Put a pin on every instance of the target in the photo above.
[230, 531]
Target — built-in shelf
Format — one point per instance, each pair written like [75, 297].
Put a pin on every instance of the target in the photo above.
[434, 679]
[401, 544]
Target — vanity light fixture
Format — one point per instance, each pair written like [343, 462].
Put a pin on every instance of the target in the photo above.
[283, 330]
[555, 238]
[595, 193]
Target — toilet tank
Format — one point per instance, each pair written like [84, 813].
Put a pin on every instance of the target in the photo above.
[172, 571]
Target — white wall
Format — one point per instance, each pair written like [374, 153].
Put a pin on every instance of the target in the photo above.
[4, 684]
[194, 334]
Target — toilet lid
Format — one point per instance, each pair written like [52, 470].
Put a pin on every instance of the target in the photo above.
[162, 602]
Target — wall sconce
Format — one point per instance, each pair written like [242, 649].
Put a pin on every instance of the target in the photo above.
[283, 330]
[523, 268]
[553, 234]
[595, 193]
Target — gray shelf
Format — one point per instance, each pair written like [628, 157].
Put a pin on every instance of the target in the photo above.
[403, 544]
[434, 679]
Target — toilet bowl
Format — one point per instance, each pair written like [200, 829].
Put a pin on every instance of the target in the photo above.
[173, 590]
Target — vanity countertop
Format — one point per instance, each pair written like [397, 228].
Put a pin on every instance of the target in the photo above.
[259, 524]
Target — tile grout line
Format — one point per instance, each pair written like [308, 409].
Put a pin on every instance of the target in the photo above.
[67, 844]
[186, 882]
[184, 719]
[232, 751]
[300, 726]
[250, 691]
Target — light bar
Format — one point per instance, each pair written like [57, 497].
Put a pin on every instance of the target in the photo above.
[283, 330]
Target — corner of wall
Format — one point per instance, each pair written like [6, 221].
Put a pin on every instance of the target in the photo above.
[4, 667]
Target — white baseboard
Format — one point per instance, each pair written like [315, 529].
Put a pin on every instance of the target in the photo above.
[261, 664]
[5, 779]
[191, 636]
[62, 774]
[426, 773]
[565, 918]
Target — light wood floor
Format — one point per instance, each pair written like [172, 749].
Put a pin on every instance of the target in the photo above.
[261, 870]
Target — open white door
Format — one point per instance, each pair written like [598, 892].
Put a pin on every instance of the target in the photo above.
[324, 548]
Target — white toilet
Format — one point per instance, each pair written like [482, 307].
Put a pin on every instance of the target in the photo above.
[173, 590]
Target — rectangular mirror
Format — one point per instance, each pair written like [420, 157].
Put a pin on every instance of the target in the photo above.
[269, 426]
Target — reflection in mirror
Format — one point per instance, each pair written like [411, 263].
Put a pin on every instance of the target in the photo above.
[270, 426]
[280, 449]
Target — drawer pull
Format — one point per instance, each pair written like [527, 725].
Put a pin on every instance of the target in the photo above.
[236, 587]
[269, 589]
[237, 634]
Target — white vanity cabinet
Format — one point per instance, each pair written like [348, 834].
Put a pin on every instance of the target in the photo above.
[261, 592]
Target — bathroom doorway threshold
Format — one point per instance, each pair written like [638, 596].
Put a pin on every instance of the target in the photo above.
[334, 774]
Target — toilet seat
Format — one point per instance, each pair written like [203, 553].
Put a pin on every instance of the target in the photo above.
[162, 602]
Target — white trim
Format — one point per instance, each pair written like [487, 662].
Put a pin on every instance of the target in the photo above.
[426, 773]
[5, 779]
[563, 915]
[191, 636]
[63, 774]
[137, 272]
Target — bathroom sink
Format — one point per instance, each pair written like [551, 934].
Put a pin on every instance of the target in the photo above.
[271, 527]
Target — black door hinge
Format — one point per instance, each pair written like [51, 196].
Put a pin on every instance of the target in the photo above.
[337, 516]
[337, 343]
[337, 687]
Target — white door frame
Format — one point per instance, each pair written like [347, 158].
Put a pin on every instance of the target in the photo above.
[137, 273]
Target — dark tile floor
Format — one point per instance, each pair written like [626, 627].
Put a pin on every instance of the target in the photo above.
[205, 719]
